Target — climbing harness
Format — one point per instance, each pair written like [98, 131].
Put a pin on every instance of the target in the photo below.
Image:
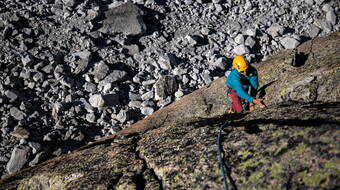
[219, 151]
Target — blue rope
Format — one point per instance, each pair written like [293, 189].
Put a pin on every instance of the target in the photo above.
[219, 150]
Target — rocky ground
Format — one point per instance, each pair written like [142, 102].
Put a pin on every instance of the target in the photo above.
[74, 71]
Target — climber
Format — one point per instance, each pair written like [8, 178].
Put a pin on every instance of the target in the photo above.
[240, 78]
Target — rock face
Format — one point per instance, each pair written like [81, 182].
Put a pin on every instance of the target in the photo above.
[292, 144]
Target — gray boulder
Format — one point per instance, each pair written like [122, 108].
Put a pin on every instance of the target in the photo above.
[309, 2]
[331, 17]
[239, 39]
[166, 85]
[147, 96]
[19, 157]
[275, 30]
[38, 158]
[123, 116]
[115, 76]
[82, 59]
[16, 113]
[167, 62]
[147, 110]
[220, 63]
[12, 95]
[314, 31]
[20, 133]
[36, 147]
[97, 101]
[126, 19]
[241, 50]
[289, 42]
[100, 70]
[27, 60]
[250, 41]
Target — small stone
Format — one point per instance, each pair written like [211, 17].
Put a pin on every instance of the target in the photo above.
[216, 1]
[115, 76]
[27, 60]
[123, 116]
[36, 147]
[19, 157]
[38, 77]
[148, 103]
[91, 117]
[250, 42]
[218, 8]
[97, 101]
[192, 40]
[324, 25]
[58, 152]
[319, 2]
[241, 50]
[314, 31]
[83, 58]
[90, 87]
[134, 96]
[148, 82]
[12, 95]
[20, 133]
[135, 104]
[331, 17]
[132, 49]
[114, 129]
[167, 62]
[239, 39]
[310, 2]
[250, 32]
[57, 109]
[147, 110]
[147, 96]
[220, 63]
[67, 81]
[52, 136]
[275, 30]
[248, 6]
[166, 85]
[185, 79]
[4, 159]
[79, 136]
[16, 113]
[206, 77]
[179, 94]
[164, 102]
[205, 31]
[100, 70]
[289, 42]
[327, 8]
[38, 158]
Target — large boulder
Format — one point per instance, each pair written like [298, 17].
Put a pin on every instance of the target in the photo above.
[165, 86]
[126, 19]
[292, 144]
[19, 157]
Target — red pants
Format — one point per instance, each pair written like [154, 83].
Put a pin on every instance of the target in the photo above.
[236, 101]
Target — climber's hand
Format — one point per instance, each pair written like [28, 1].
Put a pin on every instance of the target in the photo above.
[259, 103]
